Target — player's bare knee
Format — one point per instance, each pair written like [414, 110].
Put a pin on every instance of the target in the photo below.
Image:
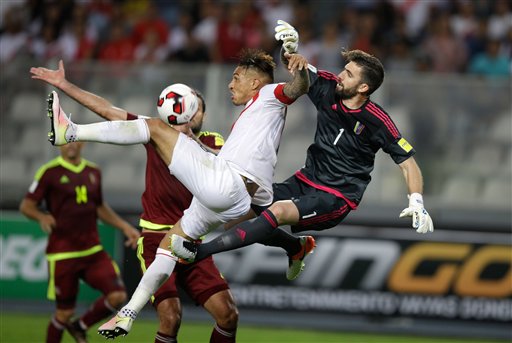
[117, 299]
[64, 316]
[170, 321]
[278, 209]
[227, 317]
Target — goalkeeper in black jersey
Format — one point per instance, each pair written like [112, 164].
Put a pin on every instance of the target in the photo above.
[351, 129]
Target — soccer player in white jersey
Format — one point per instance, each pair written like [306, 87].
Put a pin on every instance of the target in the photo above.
[223, 186]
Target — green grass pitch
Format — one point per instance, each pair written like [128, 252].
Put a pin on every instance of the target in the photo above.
[31, 328]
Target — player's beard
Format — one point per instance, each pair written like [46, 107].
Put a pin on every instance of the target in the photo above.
[347, 93]
[196, 129]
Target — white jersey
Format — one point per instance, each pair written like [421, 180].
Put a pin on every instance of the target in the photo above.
[251, 148]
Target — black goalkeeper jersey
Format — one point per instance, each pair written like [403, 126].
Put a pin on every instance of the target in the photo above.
[346, 140]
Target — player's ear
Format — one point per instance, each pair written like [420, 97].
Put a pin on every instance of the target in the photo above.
[363, 88]
[255, 83]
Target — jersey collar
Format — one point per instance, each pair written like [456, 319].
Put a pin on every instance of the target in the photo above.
[75, 169]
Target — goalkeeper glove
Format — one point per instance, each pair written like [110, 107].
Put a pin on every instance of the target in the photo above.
[421, 220]
[290, 37]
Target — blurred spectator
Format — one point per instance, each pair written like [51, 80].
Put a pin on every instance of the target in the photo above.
[75, 44]
[150, 21]
[100, 13]
[446, 52]
[179, 33]
[119, 46]
[400, 58]
[78, 41]
[206, 30]
[230, 34]
[416, 14]
[464, 22]
[365, 38]
[475, 42]
[193, 51]
[329, 57]
[309, 47]
[272, 10]
[491, 62]
[500, 21]
[150, 49]
[13, 39]
[255, 27]
[46, 46]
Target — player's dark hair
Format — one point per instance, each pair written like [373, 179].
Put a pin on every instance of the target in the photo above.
[373, 71]
[257, 59]
[201, 97]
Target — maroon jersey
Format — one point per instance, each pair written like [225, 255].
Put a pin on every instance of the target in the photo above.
[72, 195]
[165, 198]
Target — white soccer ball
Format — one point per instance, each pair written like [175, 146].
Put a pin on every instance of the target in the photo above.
[177, 104]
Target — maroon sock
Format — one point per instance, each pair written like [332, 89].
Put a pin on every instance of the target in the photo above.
[55, 331]
[163, 338]
[221, 335]
[98, 311]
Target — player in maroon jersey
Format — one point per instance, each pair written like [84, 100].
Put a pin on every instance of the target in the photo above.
[71, 188]
[164, 201]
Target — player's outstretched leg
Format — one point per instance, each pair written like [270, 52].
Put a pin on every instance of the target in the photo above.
[296, 262]
[119, 325]
[62, 130]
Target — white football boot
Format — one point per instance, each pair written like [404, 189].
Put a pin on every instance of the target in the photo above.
[119, 325]
[62, 130]
[182, 248]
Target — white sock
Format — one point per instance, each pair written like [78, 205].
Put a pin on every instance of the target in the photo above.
[157, 273]
[115, 132]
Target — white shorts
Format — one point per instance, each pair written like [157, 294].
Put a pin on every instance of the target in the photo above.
[219, 192]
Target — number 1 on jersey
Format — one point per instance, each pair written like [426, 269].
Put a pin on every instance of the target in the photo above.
[338, 136]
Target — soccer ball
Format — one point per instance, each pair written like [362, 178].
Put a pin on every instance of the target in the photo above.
[177, 104]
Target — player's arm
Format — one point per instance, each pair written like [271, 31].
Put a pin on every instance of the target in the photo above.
[299, 84]
[296, 64]
[421, 220]
[30, 209]
[93, 102]
[412, 175]
[108, 216]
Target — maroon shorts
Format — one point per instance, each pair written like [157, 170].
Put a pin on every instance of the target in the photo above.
[96, 270]
[200, 280]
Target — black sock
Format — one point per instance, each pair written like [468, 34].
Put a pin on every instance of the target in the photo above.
[282, 239]
[243, 234]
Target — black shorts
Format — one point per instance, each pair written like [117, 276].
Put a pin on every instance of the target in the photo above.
[318, 210]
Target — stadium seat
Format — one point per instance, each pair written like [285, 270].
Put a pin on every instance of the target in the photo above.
[460, 191]
[501, 128]
[13, 172]
[33, 142]
[497, 192]
[140, 105]
[28, 108]
[124, 177]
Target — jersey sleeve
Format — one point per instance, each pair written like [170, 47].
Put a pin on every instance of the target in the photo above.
[131, 116]
[397, 147]
[39, 186]
[320, 83]
[212, 140]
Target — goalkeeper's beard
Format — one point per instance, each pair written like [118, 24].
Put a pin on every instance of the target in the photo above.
[347, 93]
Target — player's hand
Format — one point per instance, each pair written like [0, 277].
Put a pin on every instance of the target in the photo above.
[132, 236]
[288, 35]
[53, 77]
[296, 62]
[421, 220]
[47, 223]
